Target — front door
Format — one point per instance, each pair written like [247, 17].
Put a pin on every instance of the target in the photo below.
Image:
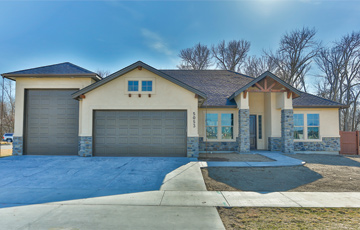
[252, 131]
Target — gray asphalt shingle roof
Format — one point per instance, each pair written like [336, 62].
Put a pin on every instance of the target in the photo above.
[308, 100]
[218, 85]
[61, 68]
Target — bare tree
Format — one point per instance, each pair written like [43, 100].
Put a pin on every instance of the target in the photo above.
[7, 100]
[294, 55]
[255, 66]
[231, 55]
[196, 58]
[103, 73]
[340, 78]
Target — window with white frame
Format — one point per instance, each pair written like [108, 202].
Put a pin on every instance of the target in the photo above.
[146, 86]
[298, 126]
[219, 126]
[309, 131]
[313, 126]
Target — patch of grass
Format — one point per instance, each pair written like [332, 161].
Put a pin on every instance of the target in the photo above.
[290, 218]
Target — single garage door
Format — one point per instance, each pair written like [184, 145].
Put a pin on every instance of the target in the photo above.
[140, 133]
[51, 122]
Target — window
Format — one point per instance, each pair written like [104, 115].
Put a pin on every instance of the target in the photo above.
[227, 123]
[133, 86]
[211, 126]
[260, 126]
[146, 86]
[222, 129]
[298, 126]
[313, 126]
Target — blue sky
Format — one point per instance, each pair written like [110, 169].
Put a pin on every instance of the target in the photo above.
[110, 35]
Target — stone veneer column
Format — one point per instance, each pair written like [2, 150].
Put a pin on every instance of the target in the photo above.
[85, 146]
[287, 131]
[193, 147]
[244, 131]
[17, 146]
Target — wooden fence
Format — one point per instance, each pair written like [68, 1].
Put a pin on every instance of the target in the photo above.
[349, 143]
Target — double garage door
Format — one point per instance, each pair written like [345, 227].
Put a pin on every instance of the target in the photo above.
[140, 133]
[52, 121]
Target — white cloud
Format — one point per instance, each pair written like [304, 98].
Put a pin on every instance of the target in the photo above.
[156, 42]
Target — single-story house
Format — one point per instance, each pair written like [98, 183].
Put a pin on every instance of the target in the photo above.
[64, 109]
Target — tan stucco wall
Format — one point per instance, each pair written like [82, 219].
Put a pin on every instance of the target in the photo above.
[113, 96]
[41, 83]
[329, 121]
[202, 115]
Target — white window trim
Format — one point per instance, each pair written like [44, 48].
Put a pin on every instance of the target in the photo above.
[219, 127]
[306, 128]
[140, 80]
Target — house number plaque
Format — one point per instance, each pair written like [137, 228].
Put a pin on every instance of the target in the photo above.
[194, 120]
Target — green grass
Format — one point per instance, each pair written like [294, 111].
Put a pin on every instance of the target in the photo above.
[290, 218]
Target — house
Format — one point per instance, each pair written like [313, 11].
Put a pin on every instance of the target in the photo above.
[64, 109]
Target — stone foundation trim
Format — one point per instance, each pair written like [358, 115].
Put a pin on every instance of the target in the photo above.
[85, 146]
[287, 131]
[244, 131]
[206, 146]
[193, 147]
[17, 146]
[329, 144]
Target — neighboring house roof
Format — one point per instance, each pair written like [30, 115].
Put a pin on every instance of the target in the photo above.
[307, 100]
[217, 84]
[132, 67]
[60, 69]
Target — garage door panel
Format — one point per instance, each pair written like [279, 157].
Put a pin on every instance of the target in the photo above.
[51, 123]
[140, 133]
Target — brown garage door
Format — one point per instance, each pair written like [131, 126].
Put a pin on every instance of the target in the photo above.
[140, 133]
[51, 122]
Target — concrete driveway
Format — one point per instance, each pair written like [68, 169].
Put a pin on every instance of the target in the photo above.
[65, 192]
[43, 179]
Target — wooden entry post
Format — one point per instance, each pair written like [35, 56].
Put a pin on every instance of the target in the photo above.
[349, 143]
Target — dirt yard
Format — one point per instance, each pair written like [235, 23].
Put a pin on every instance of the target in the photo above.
[290, 218]
[322, 173]
[233, 157]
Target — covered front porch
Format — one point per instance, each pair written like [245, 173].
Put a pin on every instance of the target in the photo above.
[262, 119]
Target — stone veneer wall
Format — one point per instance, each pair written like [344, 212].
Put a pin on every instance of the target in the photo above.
[244, 131]
[274, 143]
[217, 145]
[17, 146]
[85, 146]
[192, 147]
[331, 144]
[287, 131]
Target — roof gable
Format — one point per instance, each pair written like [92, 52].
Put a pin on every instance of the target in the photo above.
[138, 64]
[264, 76]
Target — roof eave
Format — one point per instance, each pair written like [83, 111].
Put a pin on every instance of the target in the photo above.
[78, 75]
[320, 107]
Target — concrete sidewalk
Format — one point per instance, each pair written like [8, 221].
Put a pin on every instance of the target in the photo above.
[225, 199]
[279, 161]
[159, 209]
